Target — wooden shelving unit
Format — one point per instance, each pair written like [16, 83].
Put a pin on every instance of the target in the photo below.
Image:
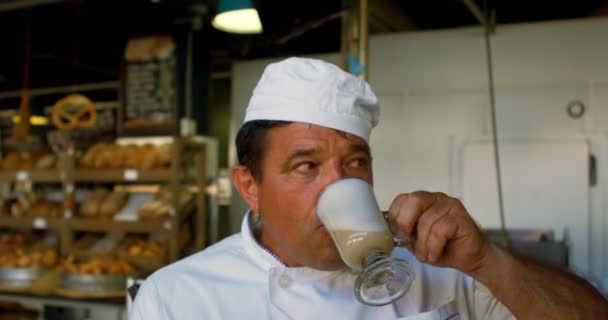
[123, 175]
[35, 175]
[99, 225]
[174, 177]
[39, 223]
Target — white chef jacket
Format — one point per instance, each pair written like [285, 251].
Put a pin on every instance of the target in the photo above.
[239, 279]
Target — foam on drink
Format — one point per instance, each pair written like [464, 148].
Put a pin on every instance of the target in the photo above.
[350, 212]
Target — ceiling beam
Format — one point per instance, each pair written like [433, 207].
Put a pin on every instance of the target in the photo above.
[476, 11]
[24, 4]
[387, 16]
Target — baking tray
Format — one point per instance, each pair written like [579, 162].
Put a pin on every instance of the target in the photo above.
[20, 277]
[92, 283]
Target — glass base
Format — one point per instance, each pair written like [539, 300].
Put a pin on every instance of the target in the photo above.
[383, 281]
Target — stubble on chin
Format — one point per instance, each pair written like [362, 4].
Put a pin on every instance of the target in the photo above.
[328, 257]
[329, 260]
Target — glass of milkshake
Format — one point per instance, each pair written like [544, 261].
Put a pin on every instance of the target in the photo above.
[350, 212]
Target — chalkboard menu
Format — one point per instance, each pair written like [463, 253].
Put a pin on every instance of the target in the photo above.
[149, 88]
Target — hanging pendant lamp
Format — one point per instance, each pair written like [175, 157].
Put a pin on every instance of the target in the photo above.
[237, 16]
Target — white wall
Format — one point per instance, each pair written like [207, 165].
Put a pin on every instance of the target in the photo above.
[435, 99]
[434, 94]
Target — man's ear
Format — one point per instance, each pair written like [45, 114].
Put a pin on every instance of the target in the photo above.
[246, 185]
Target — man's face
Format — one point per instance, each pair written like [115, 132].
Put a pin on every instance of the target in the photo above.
[300, 160]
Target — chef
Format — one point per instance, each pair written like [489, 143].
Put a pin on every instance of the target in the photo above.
[308, 124]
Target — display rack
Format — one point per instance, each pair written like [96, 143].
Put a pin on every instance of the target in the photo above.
[34, 175]
[69, 176]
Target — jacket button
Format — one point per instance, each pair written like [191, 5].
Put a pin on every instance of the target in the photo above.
[285, 281]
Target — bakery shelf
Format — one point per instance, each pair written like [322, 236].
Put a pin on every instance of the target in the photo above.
[101, 225]
[37, 175]
[122, 175]
[40, 223]
[141, 226]
[188, 168]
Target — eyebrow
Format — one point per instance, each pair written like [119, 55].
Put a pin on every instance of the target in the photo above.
[361, 148]
[312, 151]
[302, 153]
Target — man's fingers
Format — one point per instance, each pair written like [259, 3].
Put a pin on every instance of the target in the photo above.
[441, 232]
[434, 219]
[439, 208]
[406, 209]
[445, 233]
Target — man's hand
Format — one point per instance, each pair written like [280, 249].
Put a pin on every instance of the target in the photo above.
[446, 235]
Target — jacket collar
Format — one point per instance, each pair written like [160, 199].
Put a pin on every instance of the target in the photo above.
[260, 254]
[268, 261]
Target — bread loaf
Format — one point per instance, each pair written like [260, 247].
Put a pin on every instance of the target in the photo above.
[112, 204]
[46, 209]
[164, 155]
[31, 160]
[104, 157]
[47, 161]
[87, 160]
[154, 210]
[151, 159]
[165, 195]
[113, 156]
[133, 157]
[117, 156]
[91, 206]
[98, 265]
[11, 161]
[17, 210]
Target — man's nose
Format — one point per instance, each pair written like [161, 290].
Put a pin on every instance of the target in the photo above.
[335, 172]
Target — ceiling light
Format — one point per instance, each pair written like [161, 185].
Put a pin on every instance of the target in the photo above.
[237, 16]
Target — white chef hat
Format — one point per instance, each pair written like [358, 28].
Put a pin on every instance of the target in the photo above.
[316, 92]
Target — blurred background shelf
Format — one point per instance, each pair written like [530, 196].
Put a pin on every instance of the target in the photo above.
[122, 175]
[34, 175]
[38, 223]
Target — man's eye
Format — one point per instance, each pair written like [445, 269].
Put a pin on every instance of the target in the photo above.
[358, 163]
[305, 166]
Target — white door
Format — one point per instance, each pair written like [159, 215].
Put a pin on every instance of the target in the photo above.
[545, 186]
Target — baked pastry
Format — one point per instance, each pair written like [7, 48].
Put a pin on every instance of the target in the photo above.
[151, 159]
[87, 160]
[103, 157]
[133, 156]
[117, 157]
[143, 248]
[154, 210]
[112, 204]
[45, 209]
[161, 206]
[40, 208]
[40, 255]
[31, 160]
[98, 265]
[91, 206]
[49, 259]
[17, 210]
[46, 161]
[164, 155]
[11, 161]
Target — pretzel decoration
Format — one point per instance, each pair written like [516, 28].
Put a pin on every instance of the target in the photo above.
[74, 111]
